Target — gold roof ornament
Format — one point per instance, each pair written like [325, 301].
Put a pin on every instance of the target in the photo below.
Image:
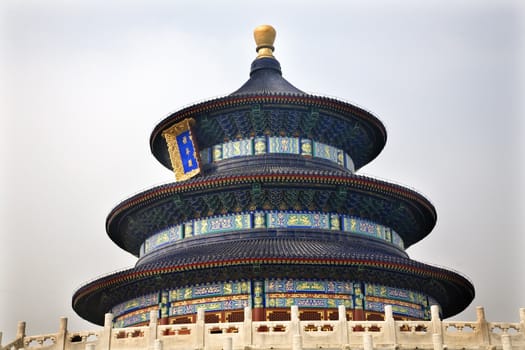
[264, 36]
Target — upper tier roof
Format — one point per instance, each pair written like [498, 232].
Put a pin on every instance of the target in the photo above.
[259, 108]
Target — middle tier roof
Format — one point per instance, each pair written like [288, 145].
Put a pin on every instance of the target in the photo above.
[403, 210]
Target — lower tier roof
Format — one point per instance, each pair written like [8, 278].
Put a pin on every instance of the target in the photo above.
[272, 256]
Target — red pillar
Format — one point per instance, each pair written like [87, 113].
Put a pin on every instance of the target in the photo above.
[359, 315]
[259, 314]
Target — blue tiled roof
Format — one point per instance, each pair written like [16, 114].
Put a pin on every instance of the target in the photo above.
[306, 244]
[266, 78]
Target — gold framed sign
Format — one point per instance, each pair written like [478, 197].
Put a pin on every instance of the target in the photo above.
[182, 149]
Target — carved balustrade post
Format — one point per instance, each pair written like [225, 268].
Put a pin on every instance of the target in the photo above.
[343, 324]
[62, 334]
[390, 326]
[248, 336]
[437, 327]
[199, 329]
[21, 330]
[522, 319]
[153, 327]
[105, 339]
[294, 317]
[295, 328]
[483, 325]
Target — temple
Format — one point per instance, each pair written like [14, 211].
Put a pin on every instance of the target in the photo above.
[267, 212]
[268, 237]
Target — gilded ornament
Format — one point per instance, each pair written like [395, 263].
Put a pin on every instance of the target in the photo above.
[264, 36]
[182, 150]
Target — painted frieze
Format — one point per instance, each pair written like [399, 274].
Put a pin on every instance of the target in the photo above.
[270, 220]
[222, 224]
[297, 220]
[135, 304]
[211, 297]
[404, 302]
[282, 293]
[162, 238]
[133, 318]
[276, 144]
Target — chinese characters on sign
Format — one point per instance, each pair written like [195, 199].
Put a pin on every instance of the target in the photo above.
[187, 152]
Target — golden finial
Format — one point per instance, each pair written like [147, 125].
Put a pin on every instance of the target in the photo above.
[264, 37]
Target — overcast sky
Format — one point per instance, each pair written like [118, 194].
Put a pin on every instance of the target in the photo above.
[83, 83]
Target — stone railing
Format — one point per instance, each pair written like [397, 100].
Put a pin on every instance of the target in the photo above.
[294, 335]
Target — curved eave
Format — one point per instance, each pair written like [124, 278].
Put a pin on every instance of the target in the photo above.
[419, 205]
[454, 292]
[159, 149]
